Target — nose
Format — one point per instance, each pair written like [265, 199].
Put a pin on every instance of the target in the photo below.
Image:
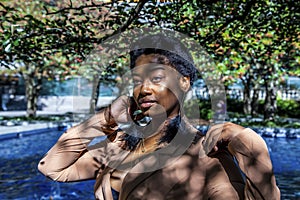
[146, 88]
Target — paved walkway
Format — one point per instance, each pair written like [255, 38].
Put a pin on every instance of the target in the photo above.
[11, 130]
[23, 113]
[26, 127]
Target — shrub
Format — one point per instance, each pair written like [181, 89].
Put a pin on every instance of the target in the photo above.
[288, 108]
[203, 109]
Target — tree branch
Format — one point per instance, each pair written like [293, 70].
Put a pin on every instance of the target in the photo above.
[239, 18]
[75, 8]
[129, 21]
[6, 9]
[132, 17]
[85, 39]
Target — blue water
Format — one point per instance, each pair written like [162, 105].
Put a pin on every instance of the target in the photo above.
[20, 179]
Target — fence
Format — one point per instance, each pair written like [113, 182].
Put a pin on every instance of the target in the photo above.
[285, 94]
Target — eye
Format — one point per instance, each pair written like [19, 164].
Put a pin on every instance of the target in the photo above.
[157, 75]
[137, 81]
[157, 79]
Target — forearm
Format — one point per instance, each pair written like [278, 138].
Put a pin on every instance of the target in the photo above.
[254, 160]
[78, 137]
[64, 160]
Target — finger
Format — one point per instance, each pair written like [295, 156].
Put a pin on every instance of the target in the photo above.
[213, 132]
[119, 109]
[212, 137]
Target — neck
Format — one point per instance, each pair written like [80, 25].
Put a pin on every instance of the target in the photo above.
[158, 125]
[160, 133]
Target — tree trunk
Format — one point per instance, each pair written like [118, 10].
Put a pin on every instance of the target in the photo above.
[270, 106]
[254, 102]
[95, 94]
[247, 95]
[33, 85]
[247, 101]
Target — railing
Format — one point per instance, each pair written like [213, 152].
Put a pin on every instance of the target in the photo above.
[285, 94]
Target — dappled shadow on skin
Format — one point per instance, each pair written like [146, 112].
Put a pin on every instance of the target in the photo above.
[186, 176]
[232, 170]
[174, 179]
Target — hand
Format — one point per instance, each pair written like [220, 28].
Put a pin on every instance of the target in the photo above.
[122, 110]
[220, 135]
[118, 111]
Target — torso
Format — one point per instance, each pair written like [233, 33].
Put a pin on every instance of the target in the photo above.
[144, 147]
[149, 145]
[189, 177]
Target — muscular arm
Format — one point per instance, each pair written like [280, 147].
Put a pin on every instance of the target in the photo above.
[70, 159]
[253, 157]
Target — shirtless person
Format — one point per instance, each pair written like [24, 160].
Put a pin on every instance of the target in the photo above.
[238, 165]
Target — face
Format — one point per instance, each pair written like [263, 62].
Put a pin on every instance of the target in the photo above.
[157, 87]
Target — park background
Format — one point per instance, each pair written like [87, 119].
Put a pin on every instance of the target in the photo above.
[46, 85]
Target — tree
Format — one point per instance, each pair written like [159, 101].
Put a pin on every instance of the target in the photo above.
[50, 39]
[256, 41]
[117, 17]
[28, 49]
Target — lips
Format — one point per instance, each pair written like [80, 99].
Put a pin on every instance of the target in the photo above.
[146, 103]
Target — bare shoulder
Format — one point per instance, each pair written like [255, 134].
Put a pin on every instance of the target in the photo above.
[232, 127]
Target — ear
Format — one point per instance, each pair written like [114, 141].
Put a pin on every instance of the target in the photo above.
[184, 83]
